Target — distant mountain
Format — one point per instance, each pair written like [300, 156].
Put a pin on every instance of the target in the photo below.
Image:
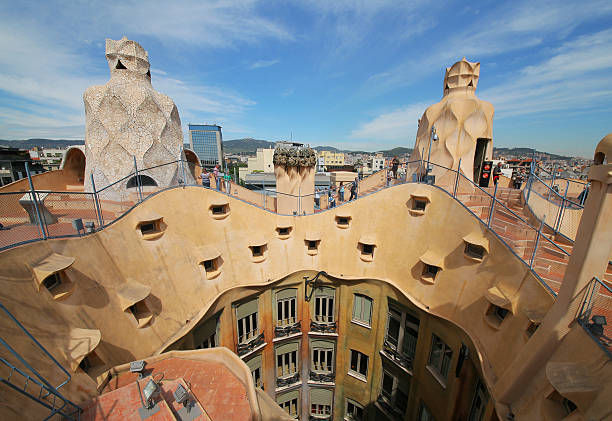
[245, 146]
[43, 143]
[249, 146]
[527, 153]
[397, 152]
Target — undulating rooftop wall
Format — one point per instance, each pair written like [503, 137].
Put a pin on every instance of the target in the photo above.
[143, 282]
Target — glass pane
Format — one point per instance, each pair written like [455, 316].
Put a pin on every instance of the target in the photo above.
[357, 310]
[393, 331]
[387, 385]
[367, 310]
[354, 357]
[330, 309]
[364, 365]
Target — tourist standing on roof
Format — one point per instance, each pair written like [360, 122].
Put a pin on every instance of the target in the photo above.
[205, 178]
[497, 173]
[353, 190]
[341, 192]
[394, 166]
[217, 179]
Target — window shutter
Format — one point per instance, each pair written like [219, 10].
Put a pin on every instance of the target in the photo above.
[367, 309]
[254, 362]
[325, 292]
[286, 293]
[322, 345]
[321, 396]
[246, 309]
[357, 307]
[289, 347]
[294, 394]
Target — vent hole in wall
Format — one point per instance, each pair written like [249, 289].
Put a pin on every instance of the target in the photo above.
[120, 65]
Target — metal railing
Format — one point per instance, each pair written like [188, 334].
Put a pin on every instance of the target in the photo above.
[40, 391]
[37, 215]
[595, 313]
[559, 200]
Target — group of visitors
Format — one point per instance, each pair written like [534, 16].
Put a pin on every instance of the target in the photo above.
[216, 179]
[335, 193]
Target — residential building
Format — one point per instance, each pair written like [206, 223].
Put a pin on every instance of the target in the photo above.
[332, 159]
[12, 165]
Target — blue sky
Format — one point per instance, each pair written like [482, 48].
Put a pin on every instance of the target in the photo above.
[352, 74]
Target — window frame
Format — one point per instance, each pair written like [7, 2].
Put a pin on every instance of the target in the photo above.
[319, 301]
[359, 319]
[350, 415]
[439, 368]
[357, 373]
[292, 305]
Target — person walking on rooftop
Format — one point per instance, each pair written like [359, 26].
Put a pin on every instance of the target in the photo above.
[205, 178]
[217, 179]
[341, 192]
[331, 202]
[353, 190]
[317, 199]
[394, 166]
[228, 183]
[497, 173]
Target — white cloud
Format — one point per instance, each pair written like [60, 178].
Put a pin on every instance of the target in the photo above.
[398, 125]
[510, 27]
[263, 63]
[576, 77]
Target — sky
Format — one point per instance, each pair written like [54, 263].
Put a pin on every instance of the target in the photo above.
[350, 74]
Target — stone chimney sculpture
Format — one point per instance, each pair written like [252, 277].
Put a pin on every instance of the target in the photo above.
[463, 125]
[294, 167]
[127, 119]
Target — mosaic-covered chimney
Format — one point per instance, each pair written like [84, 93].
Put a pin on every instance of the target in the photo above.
[294, 167]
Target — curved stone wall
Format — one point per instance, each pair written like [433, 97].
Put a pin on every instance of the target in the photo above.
[161, 248]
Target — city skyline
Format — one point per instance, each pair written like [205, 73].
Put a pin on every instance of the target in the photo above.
[353, 75]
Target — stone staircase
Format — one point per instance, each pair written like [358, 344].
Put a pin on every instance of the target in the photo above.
[517, 227]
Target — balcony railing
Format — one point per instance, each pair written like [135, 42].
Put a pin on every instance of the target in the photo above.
[280, 331]
[386, 406]
[320, 418]
[288, 381]
[596, 305]
[397, 357]
[243, 349]
[322, 377]
[323, 327]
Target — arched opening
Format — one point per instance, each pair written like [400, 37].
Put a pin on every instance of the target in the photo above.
[144, 180]
[599, 158]
[194, 164]
[74, 166]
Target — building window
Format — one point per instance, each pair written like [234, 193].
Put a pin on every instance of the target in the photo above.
[219, 210]
[479, 403]
[52, 282]
[495, 315]
[419, 205]
[439, 358]
[287, 360]
[312, 245]
[289, 402]
[248, 327]
[430, 271]
[395, 395]
[401, 336]
[324, 305]
[91, 362]
[362, 310]
[343, 221]
[531, 328]
[254, 365]
[141, 312]
[321, 403]
[367, 251]
[562, 402]
[205, 335]
[359, 365]
[286, 307]
[474, 251]
[284, 232]
[322, 355]
[353, 411]
[151, 229]
[425, 413]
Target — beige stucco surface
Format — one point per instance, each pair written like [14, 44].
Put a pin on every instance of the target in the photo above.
[181, 294]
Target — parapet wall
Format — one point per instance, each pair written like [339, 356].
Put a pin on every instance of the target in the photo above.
[207, 225]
